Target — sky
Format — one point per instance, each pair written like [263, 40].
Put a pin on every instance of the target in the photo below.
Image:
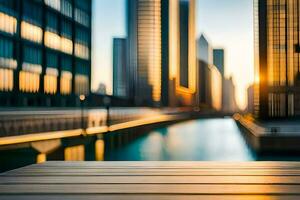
[226, 24]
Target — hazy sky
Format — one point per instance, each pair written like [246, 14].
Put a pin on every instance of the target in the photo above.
[225, 23]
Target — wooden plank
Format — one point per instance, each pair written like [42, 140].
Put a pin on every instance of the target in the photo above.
[153, 180]
[225, 189]
[157, 173]
[150, 179]
[150, 197]
[197, 164]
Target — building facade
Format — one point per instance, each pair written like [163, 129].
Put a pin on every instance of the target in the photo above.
[144, 43]
[45, 57]
[219, 60]
[210, 79]
[120, 70]
[157, 29]
[277, 58]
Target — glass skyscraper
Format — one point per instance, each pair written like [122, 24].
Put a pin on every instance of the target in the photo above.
[277, 58]
[161, 49]
[45, 55]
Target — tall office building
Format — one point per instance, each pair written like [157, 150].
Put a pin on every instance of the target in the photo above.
[204, 55]
[209, 77]
[155, 58]
[219, 60]
[144, 35]
[120, 70]
[277, 58]
[44, 51]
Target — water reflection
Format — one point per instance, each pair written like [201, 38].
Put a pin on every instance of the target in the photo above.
[212, 139]
[75, 153]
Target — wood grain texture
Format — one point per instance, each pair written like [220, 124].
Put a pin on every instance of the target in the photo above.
[153, 180]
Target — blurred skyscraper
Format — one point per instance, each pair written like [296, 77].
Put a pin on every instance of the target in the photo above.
[161, 50]
[229, 102]
[277, 58]
[209, 91]
[120, 70]
[219, 60]
[44, 51]
[250, 95]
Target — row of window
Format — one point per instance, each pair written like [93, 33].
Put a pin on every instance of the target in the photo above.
[54, 41]
[33, 13]
[33, 56]
[81, 11]
[30, 82]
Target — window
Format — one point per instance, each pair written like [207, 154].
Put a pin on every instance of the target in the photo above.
[32, 22]
[32, 13]
[52, 39]
[66, 38]
[55, 4]
[29, 82]
[50, 79]
[81, 78]
[6, 79]
[81, 84]
[66, 82]
[32, 55]
[66, 8]
[29, 77]
[8, 23]
[82, 17]
[81, 44]
[51, 22]
[66, 76]
[31, 32]
[83, 5]
[6, 54]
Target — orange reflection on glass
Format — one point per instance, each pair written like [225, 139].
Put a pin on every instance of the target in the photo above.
[8, 23]
[74, 153]
[99, 150]
[52, 40]
[31, 32]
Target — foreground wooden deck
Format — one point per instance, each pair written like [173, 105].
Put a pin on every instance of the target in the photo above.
[153, 180]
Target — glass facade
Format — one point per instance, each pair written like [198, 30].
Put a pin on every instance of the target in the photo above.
[277, 68]
[145, 38]
[161, 37]
[44, 49]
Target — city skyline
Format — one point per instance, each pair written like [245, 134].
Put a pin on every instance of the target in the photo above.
[240, 27]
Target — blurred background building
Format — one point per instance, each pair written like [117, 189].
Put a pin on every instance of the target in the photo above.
[219, 60]
[250, 95]
[120, 69]
[277, 58]
[210, 79]
[229, 101]
[45, 57]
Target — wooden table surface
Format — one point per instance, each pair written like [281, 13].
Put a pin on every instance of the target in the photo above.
[153, 180]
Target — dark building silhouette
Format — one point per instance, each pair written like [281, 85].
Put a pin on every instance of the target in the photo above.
[45, 57]
[120, 69]
[219, 60]
[277, 58]
[184, 43]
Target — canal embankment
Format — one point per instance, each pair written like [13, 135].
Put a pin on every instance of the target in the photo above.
[270, 136]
